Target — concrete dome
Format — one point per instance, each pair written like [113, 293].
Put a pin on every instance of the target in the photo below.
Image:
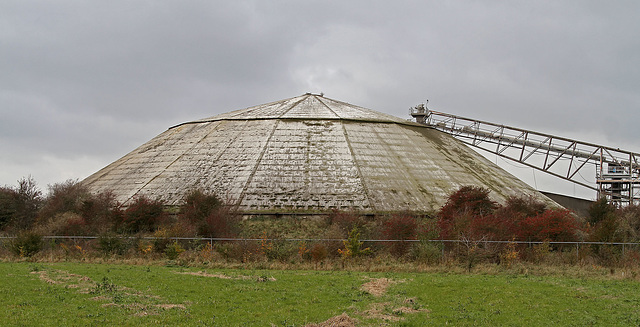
[306, 154]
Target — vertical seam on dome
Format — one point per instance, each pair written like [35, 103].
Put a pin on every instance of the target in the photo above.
[324, 104]
[145, 184]
[255, 168]
[233, 140]
[174, 161]
[355, 162]
[258, 107]
[294, 105]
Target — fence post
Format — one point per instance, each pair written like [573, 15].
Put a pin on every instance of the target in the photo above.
[577, 252]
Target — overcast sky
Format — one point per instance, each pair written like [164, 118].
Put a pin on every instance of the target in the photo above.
[82, 83]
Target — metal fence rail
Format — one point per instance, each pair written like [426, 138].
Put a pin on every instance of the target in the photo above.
[227, 239]
[574, 245]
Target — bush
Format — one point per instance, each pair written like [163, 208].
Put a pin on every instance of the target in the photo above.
[524, 206]
[101, 212]
[600, 210]
[173, 250]
[26, 244]
[111, 244]
[461, 208]
[64, 197]
[68, 223]
[629, 223]
[8, 206]
[143, 215]
[555, 225]
[198, 205]
[345, 220]
[221, 222]
[318, 252]
[353, 246]
[401, 226]
[426, 251]
[278, 250]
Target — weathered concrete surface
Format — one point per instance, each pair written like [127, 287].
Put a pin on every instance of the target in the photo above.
[306, 153]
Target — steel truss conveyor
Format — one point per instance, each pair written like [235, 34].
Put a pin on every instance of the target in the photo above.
[617, 172]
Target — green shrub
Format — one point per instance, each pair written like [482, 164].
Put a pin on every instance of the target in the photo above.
[279, 250]
[26, 244]
[426, 252]
[353, 246]
[112, 244]
[173, 250]
[19, 206]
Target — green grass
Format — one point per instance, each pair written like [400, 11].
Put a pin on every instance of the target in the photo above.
[80, 294]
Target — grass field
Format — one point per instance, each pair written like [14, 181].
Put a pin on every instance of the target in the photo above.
[81, 294]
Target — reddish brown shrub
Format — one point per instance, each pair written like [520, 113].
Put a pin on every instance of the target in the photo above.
[501, 225]
[221, 222]
[101, 211]
[64, 197]
[75, 226]
[318, 252]
[524, 206]
[345, 220]
[462, 208]
[198, 205]
[400, 226]
[143, 215]
[556, 225]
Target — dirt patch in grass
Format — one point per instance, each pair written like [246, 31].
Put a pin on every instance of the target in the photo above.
[386, 311]
[377, 286]
[377, 311]
[66, 279]
[170, 306]
[139, 303]
[222, 276]
[342, 320]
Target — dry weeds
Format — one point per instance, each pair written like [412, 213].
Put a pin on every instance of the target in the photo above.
[378, 286]
[222, 276]
[386, 311]
[342, 320]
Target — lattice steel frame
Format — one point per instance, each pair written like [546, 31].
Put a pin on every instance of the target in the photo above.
[617, 171]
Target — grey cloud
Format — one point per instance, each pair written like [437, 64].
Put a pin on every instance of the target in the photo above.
[96, 79]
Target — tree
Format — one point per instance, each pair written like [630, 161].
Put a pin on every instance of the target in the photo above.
[67, 196]
[20, 205]
[8, 206]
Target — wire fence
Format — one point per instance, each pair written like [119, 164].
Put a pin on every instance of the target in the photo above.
[577, 245]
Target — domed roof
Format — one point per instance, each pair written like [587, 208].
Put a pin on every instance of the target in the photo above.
[306, 154]
[307, 106]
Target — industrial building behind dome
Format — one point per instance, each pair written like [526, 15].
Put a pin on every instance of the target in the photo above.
[306, 154]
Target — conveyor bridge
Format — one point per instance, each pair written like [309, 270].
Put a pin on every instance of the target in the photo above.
[617, 172]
